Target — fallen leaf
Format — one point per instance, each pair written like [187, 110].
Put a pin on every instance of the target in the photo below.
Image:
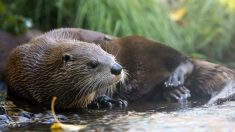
[58, 126]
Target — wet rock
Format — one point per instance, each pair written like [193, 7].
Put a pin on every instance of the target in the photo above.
[26, 114]
[2, 110]
[22, 119]
[4, 119]
[39, 115]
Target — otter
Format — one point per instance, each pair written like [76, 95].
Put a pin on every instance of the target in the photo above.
[7, 43]
[155, 71]
[76, 72]
[159, 72]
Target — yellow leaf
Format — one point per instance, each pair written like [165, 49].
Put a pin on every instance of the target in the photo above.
[178, 14]
[60, 127]
[230, 4]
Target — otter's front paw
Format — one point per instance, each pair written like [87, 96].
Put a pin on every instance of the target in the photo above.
[176, 79]
[180, 74]
[107, 102]
[179, 94]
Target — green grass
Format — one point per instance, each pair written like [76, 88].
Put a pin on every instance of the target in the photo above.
[208, 30]
[207, 33]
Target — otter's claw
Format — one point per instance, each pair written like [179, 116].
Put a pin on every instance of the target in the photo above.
[107, 102]
[178, 77]
[179, 94]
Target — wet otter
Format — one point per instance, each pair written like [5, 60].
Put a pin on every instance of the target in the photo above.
[7, 43]
[212, 81]
[142, 74]
[157, 71]
[74, 71]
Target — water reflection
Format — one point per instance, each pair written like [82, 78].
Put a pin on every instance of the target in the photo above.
[142, 116]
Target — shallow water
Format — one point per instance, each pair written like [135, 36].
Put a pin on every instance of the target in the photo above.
[186, 116]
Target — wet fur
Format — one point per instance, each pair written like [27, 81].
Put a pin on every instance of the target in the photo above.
[150, 65]
[208, 79]
[36, 71]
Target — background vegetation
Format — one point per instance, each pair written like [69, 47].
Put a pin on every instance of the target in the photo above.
[200, 28]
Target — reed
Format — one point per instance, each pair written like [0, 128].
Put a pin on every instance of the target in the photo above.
[204, 31]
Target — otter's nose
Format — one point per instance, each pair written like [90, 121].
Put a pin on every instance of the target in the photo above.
[116, 69]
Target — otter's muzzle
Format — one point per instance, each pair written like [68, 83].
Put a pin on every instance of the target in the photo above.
[116, 69]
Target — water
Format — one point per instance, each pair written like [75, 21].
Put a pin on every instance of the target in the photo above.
[143, 117]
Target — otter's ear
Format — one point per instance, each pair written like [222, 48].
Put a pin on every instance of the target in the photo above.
[66, 58]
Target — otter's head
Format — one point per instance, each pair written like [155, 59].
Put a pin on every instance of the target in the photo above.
[81, 71]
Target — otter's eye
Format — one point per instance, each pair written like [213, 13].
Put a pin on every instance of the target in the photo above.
[67, 58]
[93, 64]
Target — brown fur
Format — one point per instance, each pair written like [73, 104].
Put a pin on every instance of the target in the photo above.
[36, 71]
[149, 64]
[9, 41]
[208, 79]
